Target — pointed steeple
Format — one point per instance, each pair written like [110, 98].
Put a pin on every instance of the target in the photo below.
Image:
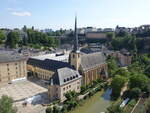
[76, 46]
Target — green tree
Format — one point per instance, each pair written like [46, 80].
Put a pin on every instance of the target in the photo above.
[64, 109]
[140, 81]
[147, 71]
[122, 72]
[110, 35]
[71, 95]
[49, 110]
[112, 66]
[135, 93]
[12, 39]
[2, 36]
[6, 105]
[148, 107]
[115, 109]
[71, 100]
[135, 67]
[117, 84]
[56, 109]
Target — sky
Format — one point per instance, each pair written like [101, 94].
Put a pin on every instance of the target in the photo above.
[58, 14]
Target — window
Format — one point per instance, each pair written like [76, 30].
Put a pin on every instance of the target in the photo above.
[64, 88]
[78, 87]
[69, 86]
[73, 56]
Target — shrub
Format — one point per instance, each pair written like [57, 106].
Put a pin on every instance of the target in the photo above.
[135, 93]
[49, 110]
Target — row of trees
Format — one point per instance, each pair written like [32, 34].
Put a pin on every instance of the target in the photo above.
[136, 76]
[130, 42]
[30, 37]
[35, 37]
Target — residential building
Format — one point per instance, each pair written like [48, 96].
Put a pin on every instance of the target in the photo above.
[12, 66]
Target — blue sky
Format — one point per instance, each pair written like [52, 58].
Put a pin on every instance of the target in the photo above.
[57, 14]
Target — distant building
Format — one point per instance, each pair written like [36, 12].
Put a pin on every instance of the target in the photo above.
[108, 30]
[90, 29]
[96, 35]
[144, 27]
[124, 57]
[46, 30]
[123, 29]
[12, 67]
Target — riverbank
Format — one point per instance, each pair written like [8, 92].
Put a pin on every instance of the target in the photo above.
[96, 104]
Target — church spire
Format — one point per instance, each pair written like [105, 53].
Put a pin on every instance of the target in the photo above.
[76, 46]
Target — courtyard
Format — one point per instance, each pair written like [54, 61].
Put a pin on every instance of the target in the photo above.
[24, 89]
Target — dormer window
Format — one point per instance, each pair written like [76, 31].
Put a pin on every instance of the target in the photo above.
[67, 79]
[64, 80]
[70, 78]
[74, 77]
[77, 76]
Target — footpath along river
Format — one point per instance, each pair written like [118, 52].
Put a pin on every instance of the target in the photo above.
[96, 104]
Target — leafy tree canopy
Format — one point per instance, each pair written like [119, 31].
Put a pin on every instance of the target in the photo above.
[6, 105]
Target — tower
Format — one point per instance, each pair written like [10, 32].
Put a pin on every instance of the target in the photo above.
[75, 54]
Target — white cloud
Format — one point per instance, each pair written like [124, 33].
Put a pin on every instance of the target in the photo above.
[24, 13]
[14, 9]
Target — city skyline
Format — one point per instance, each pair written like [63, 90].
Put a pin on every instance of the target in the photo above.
[60, 14]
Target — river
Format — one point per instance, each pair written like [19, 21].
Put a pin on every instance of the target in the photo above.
[96, 104]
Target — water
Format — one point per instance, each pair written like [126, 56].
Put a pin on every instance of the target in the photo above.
[96, 104]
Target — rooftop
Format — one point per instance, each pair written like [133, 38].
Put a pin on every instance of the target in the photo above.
[89, 61]
[6, 57]
[65, 75]
[47, 64]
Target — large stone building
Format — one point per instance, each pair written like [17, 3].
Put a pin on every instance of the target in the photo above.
[45, 69]
[12, 67]
[81, 69]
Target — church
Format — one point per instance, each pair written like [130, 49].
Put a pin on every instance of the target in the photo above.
[81, 69]
[91, 66]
